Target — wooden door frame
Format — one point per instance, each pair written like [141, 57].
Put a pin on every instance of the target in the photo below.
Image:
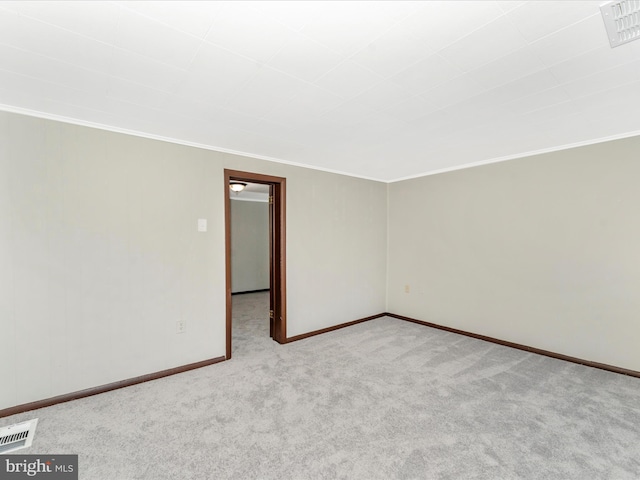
[277, 281]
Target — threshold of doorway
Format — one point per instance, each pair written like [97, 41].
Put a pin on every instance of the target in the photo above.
[250, 291]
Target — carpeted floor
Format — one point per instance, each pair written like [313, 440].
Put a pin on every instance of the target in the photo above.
[385, 399]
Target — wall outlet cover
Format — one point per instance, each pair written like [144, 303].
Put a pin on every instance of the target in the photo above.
[181, 326]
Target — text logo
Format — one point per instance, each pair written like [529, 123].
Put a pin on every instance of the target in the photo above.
[50, 467]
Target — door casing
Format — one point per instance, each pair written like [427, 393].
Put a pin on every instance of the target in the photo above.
[277, 251]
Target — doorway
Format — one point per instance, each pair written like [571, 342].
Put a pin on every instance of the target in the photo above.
[277, 252]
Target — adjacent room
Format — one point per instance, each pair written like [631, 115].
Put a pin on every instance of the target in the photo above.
[304, 239]
[250, 261]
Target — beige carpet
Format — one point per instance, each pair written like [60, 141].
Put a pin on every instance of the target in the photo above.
[385, 399]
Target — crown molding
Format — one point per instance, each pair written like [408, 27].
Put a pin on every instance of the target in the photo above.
[110, 128]
[531, 153]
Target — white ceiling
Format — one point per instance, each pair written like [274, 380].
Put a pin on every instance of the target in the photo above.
[253, 192]
[381, 90]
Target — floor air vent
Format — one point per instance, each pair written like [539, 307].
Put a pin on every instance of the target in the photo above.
[15, 437]
[622, 21]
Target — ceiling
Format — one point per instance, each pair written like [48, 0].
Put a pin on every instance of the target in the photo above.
[379, 90]
[253, 192]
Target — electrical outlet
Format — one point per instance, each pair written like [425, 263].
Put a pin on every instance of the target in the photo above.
[407, 289]
[181, 326]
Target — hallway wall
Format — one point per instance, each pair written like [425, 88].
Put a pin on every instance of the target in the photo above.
[249, 246]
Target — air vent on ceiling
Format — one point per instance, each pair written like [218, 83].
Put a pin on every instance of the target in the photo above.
[15, 437]
[622, 21]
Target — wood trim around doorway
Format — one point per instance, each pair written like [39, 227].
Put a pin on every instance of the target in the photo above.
[279, 260]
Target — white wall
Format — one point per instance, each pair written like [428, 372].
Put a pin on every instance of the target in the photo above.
[249, 246]
[542, 251]
[336, 245]
[99, 254]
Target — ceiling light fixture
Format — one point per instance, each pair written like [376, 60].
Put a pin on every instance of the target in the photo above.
[237, 186]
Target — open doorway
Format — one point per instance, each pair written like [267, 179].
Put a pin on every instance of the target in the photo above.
[250, 272]
[276, 239]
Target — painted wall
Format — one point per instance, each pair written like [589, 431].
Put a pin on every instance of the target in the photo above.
[100, 254]
[249, 246]
[336, 245]
[541, 251]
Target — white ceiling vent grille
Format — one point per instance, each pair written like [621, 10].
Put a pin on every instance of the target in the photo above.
[15, 437]
[622, 21]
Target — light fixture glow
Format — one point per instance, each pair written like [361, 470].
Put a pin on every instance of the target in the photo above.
[237, 186]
